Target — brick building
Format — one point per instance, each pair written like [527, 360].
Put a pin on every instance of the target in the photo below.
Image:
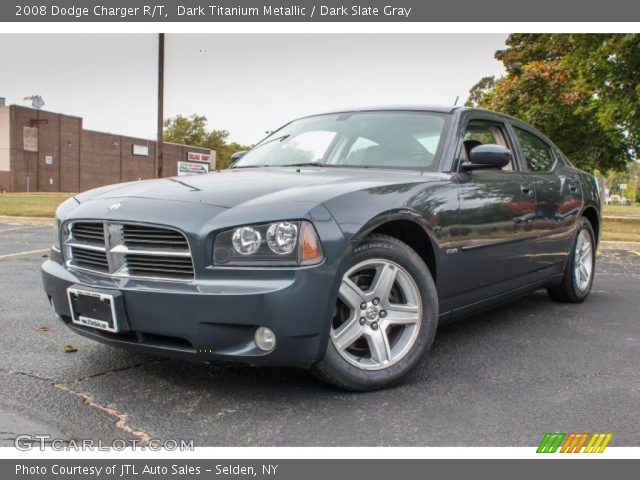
[51, 152]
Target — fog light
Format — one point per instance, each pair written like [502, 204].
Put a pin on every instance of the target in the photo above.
[53, 308]
[265, 339]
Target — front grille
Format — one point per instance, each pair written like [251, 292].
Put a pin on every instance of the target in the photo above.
[129, 250]
[159, 266]
[89, 232]
[91, 259]
[142, 236]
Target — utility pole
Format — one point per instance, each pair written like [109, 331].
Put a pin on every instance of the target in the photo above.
[160, 139]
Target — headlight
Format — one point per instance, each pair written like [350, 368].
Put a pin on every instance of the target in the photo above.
[56, 233]
[246, 240]
[286, 243]
[282, 237]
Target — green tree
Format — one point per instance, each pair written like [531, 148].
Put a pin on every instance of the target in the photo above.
[193, 131]
[581, 90]
[480, 90]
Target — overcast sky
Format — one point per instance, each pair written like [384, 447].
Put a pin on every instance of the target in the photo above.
[243, 83]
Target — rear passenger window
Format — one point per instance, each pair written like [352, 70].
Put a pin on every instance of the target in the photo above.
[537, 153]
[483, 134]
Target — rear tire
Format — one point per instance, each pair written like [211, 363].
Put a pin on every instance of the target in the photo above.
[578, 277]
[385, 317]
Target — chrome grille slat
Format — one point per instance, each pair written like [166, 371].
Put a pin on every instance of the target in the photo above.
[130, 237]
[172, 270]
[169, 252]
[92, 234]
[140, 238]
[87, 246]
[89, 232]
[158, 266]
[144, 236]
[153, 268]
[103, 267]
[148, 244]
[90, 253]
[137, 237]
[90, 259]
[173, 273]
[129, 250]
[151, 233]
[155, 261]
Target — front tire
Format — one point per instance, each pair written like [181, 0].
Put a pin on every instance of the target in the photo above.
[578, 277]
[385, 317]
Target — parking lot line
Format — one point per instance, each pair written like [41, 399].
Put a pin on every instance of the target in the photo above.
[28, 252]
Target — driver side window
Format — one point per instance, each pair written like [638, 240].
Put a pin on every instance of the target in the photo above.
[361, 150]
[481, 133]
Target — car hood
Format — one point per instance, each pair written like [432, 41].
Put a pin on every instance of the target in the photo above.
[236, 187]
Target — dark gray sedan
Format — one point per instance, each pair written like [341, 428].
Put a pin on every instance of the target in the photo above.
[340, 242]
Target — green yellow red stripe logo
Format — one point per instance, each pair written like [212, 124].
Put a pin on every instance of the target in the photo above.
[553, 442]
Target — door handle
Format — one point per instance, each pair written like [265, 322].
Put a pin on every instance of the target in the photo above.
[526, 188]
[573, 187]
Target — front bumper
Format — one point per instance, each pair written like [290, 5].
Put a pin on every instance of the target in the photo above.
[211, 319]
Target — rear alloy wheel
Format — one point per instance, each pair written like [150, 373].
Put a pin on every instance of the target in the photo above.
[384, 317]
[578, 278]
[583, 261]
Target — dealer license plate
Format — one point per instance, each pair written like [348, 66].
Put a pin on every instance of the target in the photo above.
[92, 309]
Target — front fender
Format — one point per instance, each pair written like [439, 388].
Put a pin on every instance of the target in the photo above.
[399, 214]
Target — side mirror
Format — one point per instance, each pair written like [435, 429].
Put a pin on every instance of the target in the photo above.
[488, 156]
[238, 155]
[235, 157]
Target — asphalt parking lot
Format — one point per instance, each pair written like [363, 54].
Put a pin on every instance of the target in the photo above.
[502, 378]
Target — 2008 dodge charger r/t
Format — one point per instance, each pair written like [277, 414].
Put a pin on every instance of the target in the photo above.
[338, 243]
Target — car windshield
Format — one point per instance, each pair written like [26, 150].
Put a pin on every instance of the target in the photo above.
[361, 139]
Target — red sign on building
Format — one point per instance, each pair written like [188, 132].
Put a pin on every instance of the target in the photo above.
[198, 157]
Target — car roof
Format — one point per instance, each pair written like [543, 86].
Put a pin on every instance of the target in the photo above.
[390, 108]
[413, 108]
[427, 108]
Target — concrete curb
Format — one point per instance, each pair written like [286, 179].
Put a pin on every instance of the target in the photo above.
[615, 216]
[615, 245]
[26, 220]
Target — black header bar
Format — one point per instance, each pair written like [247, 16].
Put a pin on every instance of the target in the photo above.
[319, 11]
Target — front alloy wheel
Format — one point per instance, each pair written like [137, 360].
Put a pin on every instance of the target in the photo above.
[384, 318]
[378, 315]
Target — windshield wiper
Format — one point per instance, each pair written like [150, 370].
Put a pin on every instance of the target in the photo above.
[237, 167]
[305, 164]
[301, 164]
[276, 165]
[280, 138]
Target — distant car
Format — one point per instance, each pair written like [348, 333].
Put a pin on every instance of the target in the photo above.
[617, 200]
[338, 243]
